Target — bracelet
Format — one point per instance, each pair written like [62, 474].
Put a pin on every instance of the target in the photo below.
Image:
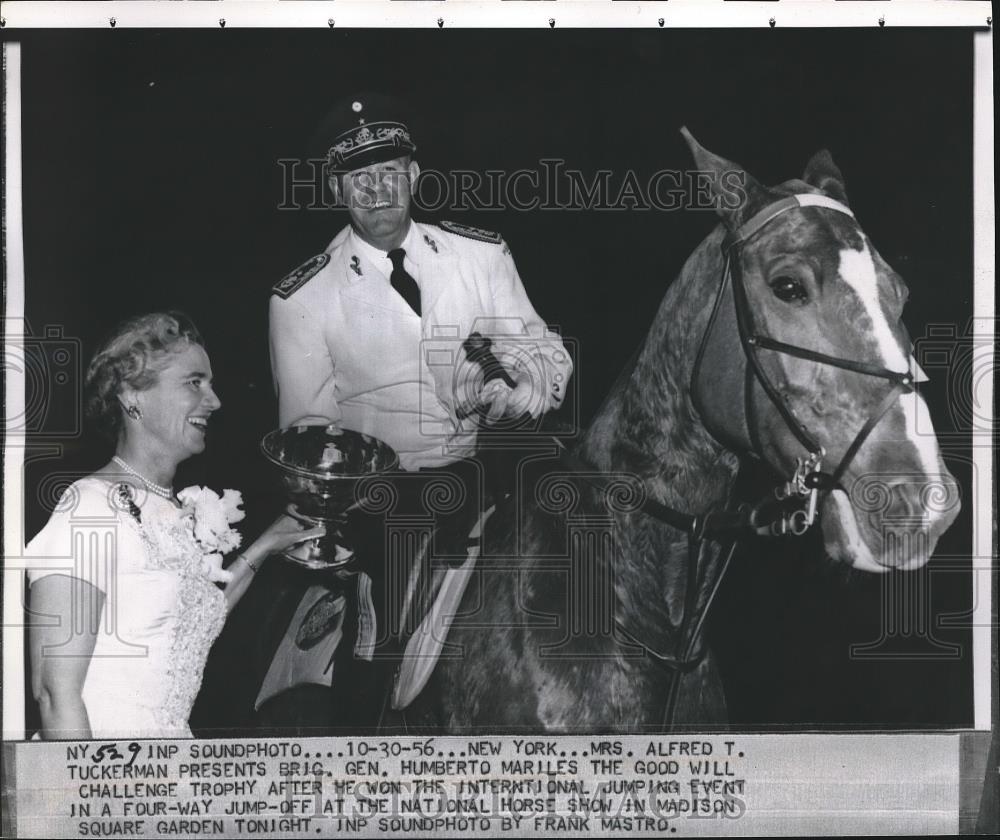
[246, 560]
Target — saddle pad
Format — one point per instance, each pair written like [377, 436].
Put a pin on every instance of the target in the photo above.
[424, 647]
[305, 655]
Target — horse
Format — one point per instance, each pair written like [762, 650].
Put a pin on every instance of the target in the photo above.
[781, 340]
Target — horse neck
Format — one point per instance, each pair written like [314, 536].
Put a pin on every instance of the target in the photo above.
[648, 427]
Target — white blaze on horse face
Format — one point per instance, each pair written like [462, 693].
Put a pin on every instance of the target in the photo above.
[917, 417]
[857, 269]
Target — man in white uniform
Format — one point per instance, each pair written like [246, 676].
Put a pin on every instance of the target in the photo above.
[369, 333]
[351, 344]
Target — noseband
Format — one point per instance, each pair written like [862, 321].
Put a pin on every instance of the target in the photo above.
[808, 478]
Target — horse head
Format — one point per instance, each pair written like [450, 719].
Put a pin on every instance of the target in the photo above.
[805, 360]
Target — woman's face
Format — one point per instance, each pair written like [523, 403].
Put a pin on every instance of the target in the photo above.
[176, 409]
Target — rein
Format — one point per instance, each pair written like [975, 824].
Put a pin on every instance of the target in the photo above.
[688, 653]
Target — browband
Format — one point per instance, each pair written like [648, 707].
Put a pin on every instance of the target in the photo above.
[756, 222]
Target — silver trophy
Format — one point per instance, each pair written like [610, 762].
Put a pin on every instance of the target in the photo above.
[323, 471]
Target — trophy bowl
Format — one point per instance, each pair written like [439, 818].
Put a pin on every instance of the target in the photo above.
[320, 469]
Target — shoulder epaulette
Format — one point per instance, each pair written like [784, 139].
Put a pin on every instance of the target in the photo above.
[291, 283]
[469, 232]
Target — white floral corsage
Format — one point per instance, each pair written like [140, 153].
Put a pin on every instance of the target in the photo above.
[209, 516]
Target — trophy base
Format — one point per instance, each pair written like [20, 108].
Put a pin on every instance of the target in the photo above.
[324, 553]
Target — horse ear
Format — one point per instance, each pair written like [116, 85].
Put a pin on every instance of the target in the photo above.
[737, 194]
[822, 173]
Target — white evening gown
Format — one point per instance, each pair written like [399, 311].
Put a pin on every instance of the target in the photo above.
[161, 613]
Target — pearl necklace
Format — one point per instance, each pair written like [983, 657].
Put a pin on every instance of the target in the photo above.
[158, 489]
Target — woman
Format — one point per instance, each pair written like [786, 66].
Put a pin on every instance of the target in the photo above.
[125, 600]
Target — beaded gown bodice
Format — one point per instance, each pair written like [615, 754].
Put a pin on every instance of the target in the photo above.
[196, 616]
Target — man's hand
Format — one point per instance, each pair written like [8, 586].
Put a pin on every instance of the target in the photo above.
[526, 397]
[506, 394]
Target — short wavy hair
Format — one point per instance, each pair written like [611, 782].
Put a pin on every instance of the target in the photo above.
[133, 354]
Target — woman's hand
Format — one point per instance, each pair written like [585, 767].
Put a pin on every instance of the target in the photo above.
[284, 532]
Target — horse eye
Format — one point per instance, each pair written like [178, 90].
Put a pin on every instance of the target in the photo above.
[789, 289]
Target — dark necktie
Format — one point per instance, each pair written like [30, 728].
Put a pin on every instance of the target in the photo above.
[401, 280]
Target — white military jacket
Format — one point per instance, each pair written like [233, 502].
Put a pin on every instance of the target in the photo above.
[347, 348]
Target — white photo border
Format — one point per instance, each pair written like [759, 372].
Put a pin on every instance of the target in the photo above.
[677, 14]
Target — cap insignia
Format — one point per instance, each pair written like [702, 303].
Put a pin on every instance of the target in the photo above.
[374, 135]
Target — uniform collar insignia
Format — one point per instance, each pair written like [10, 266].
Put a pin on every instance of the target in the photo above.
[356, 265]
[431, 243]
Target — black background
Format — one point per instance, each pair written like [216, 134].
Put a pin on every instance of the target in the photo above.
[151, 181]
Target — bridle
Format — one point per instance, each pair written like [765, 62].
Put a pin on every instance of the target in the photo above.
[807, 478]
[790, 507]
[775, 514]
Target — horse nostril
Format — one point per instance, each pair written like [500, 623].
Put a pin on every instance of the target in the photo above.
[930, 504]
[905, 504]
